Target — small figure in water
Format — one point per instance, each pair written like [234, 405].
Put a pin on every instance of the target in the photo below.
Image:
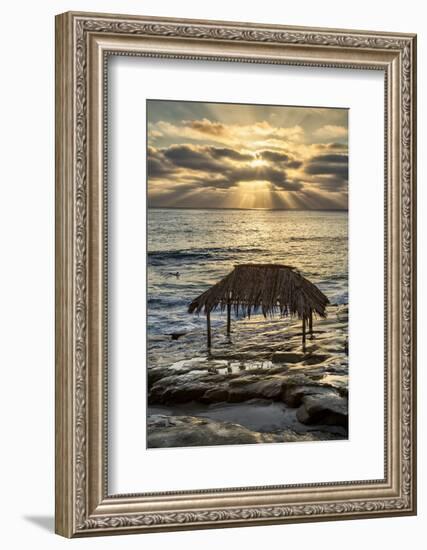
[176, 274]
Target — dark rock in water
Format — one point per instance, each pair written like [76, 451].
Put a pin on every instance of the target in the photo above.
[314, 359]
[286, 357]
[324, 408]
[176, 335]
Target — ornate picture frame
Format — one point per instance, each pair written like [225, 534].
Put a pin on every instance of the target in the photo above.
[84, 42]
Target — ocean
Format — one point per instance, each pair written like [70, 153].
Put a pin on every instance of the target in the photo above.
[190, 250]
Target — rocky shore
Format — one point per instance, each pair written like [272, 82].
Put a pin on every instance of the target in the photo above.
[258, 386]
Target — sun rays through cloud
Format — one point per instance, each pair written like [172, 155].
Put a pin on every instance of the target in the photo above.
[208, 155]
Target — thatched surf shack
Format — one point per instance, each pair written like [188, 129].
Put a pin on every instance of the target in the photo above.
[272, 289]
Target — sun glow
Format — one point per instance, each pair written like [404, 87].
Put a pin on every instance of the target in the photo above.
[254, 194]
[258, 162]
[254, 186]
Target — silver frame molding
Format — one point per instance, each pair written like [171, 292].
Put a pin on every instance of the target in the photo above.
[83, 43]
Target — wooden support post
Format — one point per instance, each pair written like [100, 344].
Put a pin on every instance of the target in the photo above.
[303, 331]
[228, 318]
[310, 324]
[208, 322]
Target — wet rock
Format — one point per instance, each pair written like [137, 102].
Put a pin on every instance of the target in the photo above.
[270, 388]
[337, 365]
[215, 395]
[298, 378]
[293, 395]
[315, 359]
[265, 363]
[280, 369]
[185, 393]
[335, 381]
[241, 393]
[244, 379]
[286, 357]
[209, 387]
[179, 388]
[155, 374]
[189, 431]
[324, 408]
[188, 364]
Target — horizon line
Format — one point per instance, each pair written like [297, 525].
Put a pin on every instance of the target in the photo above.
[236, 208]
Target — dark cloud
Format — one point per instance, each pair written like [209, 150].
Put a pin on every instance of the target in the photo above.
[274, 156]
[224, 152]
[193, 158]
[332, 146]
[321, 168]
[203, 158]
[234, 175]
[331, 183]
[291, 185]
[337, 146]
[332, 158]
[294, 164]
[331, 171]
[206, 126]
[214, 167]
[283, 158]
[156, 168]
[157, 165]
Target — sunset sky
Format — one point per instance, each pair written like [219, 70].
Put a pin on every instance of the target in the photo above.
[211, 155]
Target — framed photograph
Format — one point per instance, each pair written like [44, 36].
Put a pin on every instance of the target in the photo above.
[235, 274]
